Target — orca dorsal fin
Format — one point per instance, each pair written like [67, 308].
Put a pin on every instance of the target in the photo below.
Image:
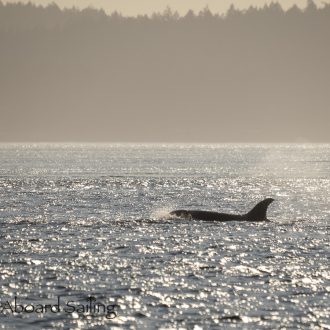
[259, 212]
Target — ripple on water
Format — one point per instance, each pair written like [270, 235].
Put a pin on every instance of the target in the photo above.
[107, 234]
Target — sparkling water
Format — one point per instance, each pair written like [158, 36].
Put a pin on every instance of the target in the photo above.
[90, 223]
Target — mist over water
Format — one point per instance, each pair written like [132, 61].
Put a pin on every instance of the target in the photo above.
[256, 75]
[92, 220]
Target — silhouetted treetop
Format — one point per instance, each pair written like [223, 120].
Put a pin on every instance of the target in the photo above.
[29, 16]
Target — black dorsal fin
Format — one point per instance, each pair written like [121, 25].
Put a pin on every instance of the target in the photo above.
[259, 212]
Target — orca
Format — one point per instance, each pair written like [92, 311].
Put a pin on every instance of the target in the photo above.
[258, 213]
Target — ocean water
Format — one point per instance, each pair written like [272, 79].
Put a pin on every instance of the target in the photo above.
[86, 225]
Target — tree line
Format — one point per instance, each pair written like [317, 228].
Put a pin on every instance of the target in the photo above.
[260, 72]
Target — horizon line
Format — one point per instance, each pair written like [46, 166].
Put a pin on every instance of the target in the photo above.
[162, 143]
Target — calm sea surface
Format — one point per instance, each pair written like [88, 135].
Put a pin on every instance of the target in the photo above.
[88, 225]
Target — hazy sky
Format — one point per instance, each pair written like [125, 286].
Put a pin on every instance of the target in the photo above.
[133, 7]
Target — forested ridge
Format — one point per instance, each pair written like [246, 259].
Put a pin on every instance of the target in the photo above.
[262, 74]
